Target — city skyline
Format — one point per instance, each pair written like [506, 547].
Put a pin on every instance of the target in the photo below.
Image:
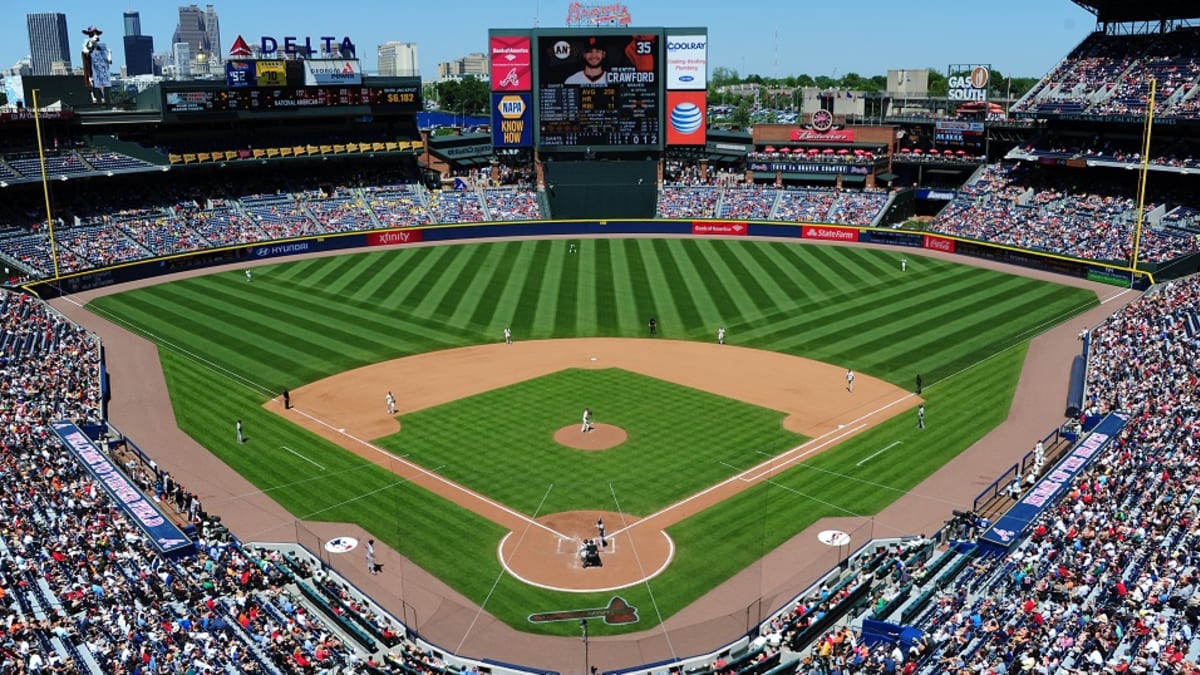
[752, 37]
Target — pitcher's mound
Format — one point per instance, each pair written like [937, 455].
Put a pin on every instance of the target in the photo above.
[601, 437]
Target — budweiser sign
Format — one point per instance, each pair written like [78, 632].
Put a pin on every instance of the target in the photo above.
[831, 136]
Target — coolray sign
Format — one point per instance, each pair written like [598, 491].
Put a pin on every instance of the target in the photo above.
[831, 136]
[687, 62]
[512, 60]
[732, 228]
[828, 233]
[1012, 525]
[393, 237]
[331, 71]
[968, 83]
[166, 537]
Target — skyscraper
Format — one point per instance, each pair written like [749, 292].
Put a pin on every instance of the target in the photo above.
[48, 41]
[397, 59]
[139, 49]
[133, 23]
[200, 30]
[212, 29]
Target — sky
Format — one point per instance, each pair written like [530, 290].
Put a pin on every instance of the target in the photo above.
[771, 38]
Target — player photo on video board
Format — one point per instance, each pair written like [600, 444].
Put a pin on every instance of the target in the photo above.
[599, 89]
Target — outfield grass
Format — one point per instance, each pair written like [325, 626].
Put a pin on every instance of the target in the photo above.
[964, 329]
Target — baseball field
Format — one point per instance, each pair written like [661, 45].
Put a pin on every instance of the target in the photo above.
[483, 428]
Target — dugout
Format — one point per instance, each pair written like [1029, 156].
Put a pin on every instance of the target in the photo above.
[591, 189]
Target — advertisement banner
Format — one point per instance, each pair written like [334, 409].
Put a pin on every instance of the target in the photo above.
[270, 73]
[826, 233]
[793, 167]
[938, 244]
[687, 62]
[512, 60]
[239, 74]
[319, 72]
[512, 120]
[393, 237]
[814, 136]
[166, 537]
[730, 229]
[1012, 525]
[685, 118]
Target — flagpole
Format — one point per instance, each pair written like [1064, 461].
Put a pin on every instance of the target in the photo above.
[37, 123]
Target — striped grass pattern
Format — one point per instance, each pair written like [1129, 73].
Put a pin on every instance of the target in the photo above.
[228, 344]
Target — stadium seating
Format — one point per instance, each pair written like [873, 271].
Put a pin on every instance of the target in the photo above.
[1021, 207]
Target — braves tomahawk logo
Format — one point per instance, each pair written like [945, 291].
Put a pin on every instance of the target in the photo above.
[511, 79]
[617, 612]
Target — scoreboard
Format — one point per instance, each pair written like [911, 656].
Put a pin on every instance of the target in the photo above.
[611, 88]
[599, 90]
[186, 102]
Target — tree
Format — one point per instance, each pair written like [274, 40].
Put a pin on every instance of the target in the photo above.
[467, 96]
[938, 84]
[722, 76]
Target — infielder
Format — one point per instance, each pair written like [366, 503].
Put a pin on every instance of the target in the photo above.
[391, 403]
[850, 381]
[587, 420]
[507, 335]
[721, 335]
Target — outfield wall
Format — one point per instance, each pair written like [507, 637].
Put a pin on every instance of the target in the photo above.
[143, 269]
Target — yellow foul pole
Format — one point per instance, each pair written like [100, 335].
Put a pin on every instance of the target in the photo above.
[37, 122]
[1142, 174]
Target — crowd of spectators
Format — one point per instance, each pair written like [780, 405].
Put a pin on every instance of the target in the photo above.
[511, 204]
[84, 590]
[1107, 579]
[1039, 210]
[1110, 74]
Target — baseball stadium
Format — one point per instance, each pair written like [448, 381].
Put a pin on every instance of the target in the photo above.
[295, 384]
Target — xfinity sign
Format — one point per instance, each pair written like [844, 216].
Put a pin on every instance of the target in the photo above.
[687, 61]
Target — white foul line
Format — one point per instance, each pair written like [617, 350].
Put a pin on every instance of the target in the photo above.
[885, 449]
[430, 475]
[302, 457]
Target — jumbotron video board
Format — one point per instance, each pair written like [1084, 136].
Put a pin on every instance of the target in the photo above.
[598, 89]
